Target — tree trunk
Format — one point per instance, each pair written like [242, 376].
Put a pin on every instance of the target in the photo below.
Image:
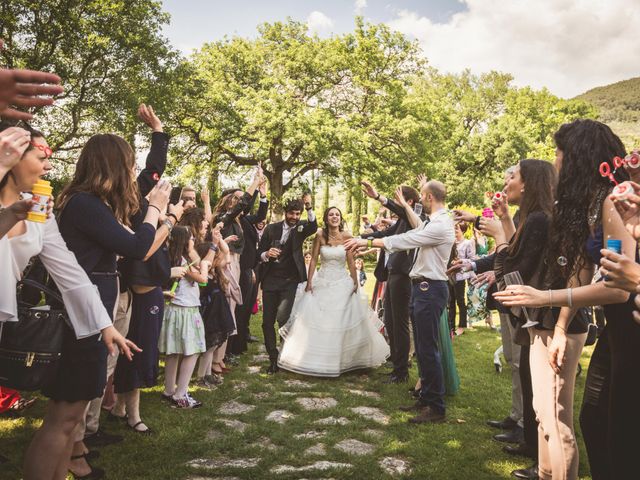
[357, 211]
[276, 186]
[213, 184]
[325, 200]
[349, 200]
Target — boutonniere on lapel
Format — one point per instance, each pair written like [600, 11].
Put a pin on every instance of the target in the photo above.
[300, 228]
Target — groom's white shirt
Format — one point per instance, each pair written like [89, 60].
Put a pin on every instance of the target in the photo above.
[286, 229]
[434, 241]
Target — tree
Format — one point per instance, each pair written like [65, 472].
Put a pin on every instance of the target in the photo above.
[110, 54]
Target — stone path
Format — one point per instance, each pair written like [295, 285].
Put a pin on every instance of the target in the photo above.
[299, 396]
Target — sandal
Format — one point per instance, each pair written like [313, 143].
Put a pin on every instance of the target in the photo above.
[141, 432]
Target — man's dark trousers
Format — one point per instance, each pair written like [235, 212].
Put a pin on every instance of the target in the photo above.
[427, 306]
[396, 321]
[277, 304]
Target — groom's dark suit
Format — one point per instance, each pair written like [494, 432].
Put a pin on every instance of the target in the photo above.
[280, 278]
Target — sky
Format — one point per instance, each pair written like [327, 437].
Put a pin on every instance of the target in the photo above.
[568, 46]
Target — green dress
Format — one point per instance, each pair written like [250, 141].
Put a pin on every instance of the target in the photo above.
[451, 378]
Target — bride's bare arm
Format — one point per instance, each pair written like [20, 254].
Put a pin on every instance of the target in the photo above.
[317, 242]
[351, 263]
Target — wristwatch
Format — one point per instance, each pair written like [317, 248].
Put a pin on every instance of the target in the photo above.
[167, 223]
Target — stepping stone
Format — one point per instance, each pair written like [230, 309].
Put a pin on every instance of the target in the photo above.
[262, 357]
[316, 403]
[235, 408]
[253, 369]
[354, 447]
[240, 386]
[364, 393]
[311, 434]
[373, 433]
[214, 435]
[371, 413]
[213, 478]
[279, 416]
[288, 394]
[318, 449]
[395, 466]
[321, 465]
[298, 383]
[261, 395]
[265, 443]
[234, 424]
[332, 421]
[212, 463]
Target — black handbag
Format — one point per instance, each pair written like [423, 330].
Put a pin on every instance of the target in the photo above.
[30, 349]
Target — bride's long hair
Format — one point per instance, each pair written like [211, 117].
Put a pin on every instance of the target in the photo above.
[325, 220]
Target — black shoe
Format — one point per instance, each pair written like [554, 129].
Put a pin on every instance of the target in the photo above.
[101, 439]
[521, 449]
[512, 436]
[530, 473]
[252, 339]
[427, 415]
[393, 378]
[507, 424]
[273, 368]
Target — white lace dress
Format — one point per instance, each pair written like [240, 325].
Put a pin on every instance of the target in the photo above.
[331, 330]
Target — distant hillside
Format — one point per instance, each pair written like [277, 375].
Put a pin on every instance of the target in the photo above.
[619, 107]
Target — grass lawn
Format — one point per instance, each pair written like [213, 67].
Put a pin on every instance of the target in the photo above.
[461, 448]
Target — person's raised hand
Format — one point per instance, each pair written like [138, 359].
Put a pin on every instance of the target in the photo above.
[262, 188]
[619, 271]
[205, 197]
[159, 195]
[26, 88]
[422, 181]
[231, 238]
[400, 198]
[306, 199]
[491, 227]
[629, 210]
[369, 190]
[177, 210]
[14, 142]
[463, 216]
[500, 206]
[149, 117]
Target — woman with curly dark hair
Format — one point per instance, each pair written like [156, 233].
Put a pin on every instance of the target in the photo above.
[583, 220]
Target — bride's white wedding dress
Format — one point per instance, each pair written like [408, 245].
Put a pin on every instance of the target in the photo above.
[331, 330]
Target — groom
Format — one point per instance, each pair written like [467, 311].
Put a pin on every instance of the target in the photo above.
[429, 291]
[283, 269]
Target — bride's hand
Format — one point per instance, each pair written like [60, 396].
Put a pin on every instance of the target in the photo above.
[309, 287]
[355, 288]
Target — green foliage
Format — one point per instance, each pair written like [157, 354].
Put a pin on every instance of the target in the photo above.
[110, 55]
[618, 105]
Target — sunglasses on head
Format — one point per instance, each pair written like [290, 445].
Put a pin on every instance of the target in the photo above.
[43, 148]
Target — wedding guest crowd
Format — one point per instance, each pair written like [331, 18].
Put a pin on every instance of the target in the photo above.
[137, 276]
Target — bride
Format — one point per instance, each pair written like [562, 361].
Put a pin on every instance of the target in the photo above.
[331, 329]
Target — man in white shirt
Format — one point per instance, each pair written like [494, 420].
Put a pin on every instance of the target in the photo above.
[434, 240]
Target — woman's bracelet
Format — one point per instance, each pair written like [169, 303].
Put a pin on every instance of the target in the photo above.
[369, 243]
[173, 216]
[153, 206]
[561, 328]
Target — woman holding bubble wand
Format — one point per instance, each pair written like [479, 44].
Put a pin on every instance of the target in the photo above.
[583, 219]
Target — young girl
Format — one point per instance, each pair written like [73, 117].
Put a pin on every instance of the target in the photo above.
[362, 275]
[215, 309]
[182, 334]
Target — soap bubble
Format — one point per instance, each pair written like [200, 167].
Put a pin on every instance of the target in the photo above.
[154, 310]
[562, 261]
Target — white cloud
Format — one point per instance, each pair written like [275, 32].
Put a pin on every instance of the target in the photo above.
[360, 6]
[568, 46]
[318, 21]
